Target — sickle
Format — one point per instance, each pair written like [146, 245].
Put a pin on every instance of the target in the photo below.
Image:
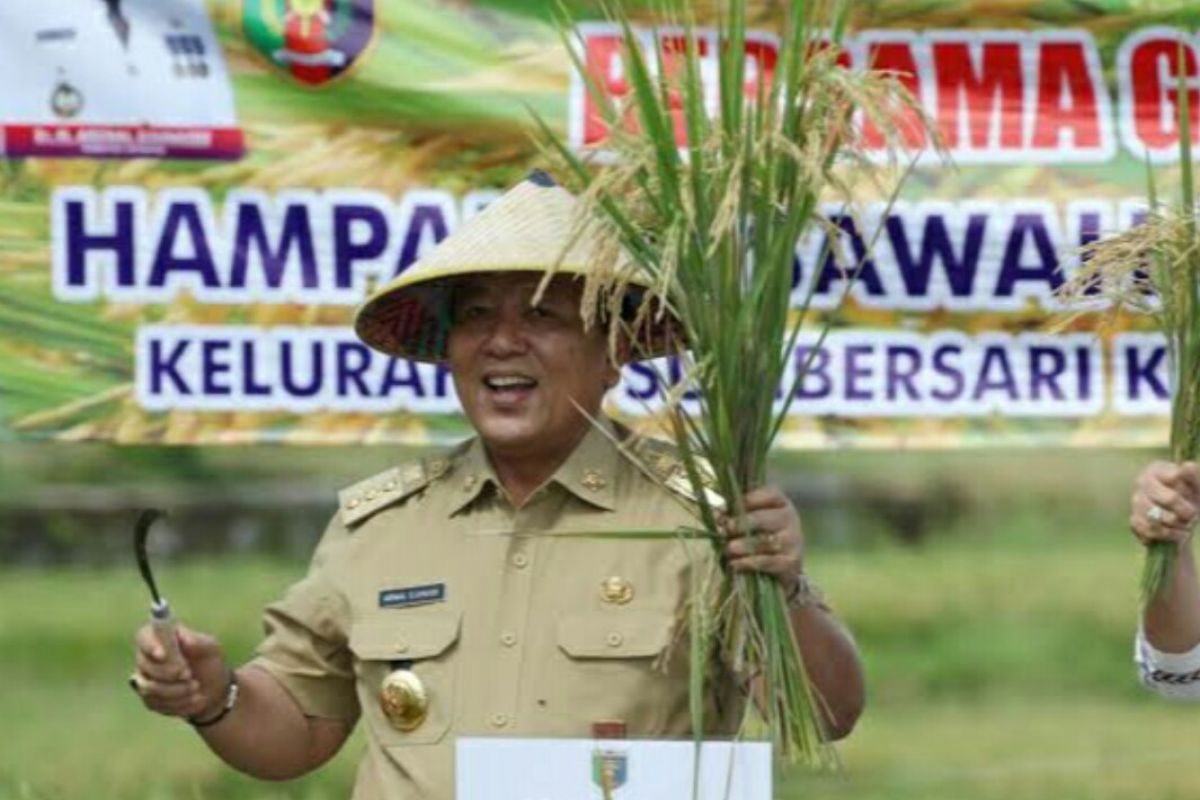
[140, 531]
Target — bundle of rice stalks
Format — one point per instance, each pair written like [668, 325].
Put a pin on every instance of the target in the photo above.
[714, 226]
[1154, 269]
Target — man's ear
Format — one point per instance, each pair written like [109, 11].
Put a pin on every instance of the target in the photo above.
[612, 374]
[618, 356]
[624, 351]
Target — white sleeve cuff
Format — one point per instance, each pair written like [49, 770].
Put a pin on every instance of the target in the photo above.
[1173, 675]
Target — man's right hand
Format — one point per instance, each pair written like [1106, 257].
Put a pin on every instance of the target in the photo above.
[266, 735]
[1172, 489]
[194, 686]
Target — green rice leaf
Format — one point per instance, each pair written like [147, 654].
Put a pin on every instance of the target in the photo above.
[715, 224]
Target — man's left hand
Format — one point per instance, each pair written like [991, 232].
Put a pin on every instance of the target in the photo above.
[768, 538]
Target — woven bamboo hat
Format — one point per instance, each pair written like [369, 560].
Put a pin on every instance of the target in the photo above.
[527, 229]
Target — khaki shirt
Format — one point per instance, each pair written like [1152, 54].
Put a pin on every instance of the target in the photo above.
[513, 629]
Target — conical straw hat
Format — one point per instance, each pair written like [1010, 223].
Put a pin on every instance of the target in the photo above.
[527, 229]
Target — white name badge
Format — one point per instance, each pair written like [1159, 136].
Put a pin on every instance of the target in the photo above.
[120, 78]
[589, 769]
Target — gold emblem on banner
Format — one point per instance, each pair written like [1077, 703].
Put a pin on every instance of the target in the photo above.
[65, 100]
[404, 700]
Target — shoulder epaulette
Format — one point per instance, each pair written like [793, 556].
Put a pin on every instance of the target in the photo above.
[389, 487]
[661, 460]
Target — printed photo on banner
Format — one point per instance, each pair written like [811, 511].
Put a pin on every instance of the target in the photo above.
[114, 79]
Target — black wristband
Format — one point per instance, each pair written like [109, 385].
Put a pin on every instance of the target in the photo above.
[231, 696]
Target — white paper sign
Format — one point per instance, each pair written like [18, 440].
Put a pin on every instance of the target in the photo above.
[120, 78]
[576, 769]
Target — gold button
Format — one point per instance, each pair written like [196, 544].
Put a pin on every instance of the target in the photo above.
[371, 495]
[438, 467]
[593, 480]
[403, 700]
[509, 639]
[614, 639]
[499, 720]
[469, 483]
[401, 646]
[520, 561]
[389, 486]
[616, 590]
[354, 501]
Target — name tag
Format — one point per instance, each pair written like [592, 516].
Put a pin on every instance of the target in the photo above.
[413, 596]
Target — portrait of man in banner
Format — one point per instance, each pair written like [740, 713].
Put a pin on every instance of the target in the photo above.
[114, 78]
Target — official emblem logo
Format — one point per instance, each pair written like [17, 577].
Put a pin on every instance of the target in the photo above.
[65, 100]
[610, 770]
[314, 40]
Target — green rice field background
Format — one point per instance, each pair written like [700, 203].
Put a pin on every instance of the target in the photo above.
[998, 645]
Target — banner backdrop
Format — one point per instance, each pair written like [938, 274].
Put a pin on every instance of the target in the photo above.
[194, 198]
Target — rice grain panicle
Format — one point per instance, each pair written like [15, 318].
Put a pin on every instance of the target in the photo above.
[712, 226]
[1153, 269]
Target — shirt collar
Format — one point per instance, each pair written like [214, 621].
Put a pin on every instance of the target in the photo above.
[589, 473]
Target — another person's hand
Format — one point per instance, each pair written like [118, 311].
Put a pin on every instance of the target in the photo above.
[1165, 503]
[769, 538]
[195, 688]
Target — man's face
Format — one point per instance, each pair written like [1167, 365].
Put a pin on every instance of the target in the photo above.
[520, 369]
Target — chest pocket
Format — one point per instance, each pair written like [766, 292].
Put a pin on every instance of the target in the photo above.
[421, 640]
[616, 665]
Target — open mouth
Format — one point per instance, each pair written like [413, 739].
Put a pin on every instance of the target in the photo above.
[509, 386]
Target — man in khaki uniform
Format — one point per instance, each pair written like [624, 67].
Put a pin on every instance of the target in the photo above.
[491, 591]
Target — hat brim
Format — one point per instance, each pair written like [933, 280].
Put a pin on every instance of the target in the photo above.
[533, 227]
[411, 316]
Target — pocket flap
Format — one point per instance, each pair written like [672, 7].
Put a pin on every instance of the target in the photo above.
[404, 635]
[614, 635]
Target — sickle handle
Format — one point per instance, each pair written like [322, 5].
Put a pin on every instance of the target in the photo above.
[163, 625]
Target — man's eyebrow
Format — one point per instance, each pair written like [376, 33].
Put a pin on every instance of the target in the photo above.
[549, 299]
[474, 290]
[468, 290]
[556, 291]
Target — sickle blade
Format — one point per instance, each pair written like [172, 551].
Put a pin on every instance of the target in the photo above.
[140, 531]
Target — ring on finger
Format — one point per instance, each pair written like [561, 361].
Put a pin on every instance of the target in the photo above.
[1156, 514]
[137, 683]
